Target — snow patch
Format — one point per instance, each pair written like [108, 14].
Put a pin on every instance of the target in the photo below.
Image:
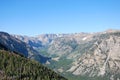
[84, 38]
[56, 59]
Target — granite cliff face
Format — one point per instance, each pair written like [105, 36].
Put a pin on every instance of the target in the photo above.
[102, 59]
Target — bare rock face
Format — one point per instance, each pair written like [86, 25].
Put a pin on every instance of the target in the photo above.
[81, 54]
[102, 59]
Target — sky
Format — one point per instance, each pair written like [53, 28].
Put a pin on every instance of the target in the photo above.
[34, 17]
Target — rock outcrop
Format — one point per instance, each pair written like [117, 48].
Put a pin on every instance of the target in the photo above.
[102, 59]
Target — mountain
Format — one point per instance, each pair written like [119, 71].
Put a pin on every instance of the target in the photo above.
[13, 44]
[80, 56]
[16, 45]
[16, 67]
[40, 41]
[102, 59]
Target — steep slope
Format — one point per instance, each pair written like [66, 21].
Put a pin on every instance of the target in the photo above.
[102, 59]
[16, 45]
[13, 44]
[31, 41]
[16, 67]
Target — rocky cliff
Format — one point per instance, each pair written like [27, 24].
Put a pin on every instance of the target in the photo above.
[102, 59]
[92, 55]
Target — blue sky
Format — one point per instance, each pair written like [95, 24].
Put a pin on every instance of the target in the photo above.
[33, 17]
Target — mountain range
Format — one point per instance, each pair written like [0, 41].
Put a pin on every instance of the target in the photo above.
[76, 56]
[16, 65]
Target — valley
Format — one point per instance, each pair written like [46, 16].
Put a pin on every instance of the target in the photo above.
[95, 55]
[79, 56]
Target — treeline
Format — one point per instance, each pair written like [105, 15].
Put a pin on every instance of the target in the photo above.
[15, 67]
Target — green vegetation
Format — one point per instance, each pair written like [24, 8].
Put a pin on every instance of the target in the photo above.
[16, 67]
[62, 63]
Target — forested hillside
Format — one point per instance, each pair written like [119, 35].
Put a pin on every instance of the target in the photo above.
[16, 67]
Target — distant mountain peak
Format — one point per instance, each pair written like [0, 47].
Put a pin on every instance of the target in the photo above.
[112, 30]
